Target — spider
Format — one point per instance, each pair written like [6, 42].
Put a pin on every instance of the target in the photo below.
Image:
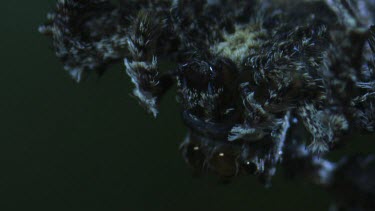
[259, 82]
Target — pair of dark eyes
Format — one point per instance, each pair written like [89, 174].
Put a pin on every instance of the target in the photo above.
[201, 75]
[223, 163]
[197, 75]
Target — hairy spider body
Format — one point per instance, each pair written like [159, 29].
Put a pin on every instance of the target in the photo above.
[256, 80]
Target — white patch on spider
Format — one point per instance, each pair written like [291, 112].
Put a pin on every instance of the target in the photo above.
[236, 46]
[245, 132]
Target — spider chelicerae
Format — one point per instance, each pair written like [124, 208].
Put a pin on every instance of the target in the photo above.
[259, 82]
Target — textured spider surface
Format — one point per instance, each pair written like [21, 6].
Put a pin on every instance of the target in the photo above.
[258, 82]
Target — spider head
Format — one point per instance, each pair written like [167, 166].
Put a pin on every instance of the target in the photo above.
[212, 106]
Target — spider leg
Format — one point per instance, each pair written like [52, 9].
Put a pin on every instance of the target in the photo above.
[142, 63]
[264, 134]
[87, 35]
[324, 126]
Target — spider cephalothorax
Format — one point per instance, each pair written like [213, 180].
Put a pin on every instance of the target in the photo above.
[256, 80]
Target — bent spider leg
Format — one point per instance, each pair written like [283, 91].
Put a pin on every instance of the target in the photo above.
[142, 65]
[259, 117]
[253, 111]
[278, 137]
[89, 35]
[324, 126]
[270, 133]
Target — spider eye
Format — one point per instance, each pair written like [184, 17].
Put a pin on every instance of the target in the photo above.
[249, 167]
[193, 155]
[226, 72]
[223, 162]
[196, 75]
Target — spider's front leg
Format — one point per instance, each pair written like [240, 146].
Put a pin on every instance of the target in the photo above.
[324, 126]
[263, 131]
[142, 64]
[90, 35]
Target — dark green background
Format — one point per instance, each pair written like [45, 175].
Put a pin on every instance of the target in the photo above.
[89, 146]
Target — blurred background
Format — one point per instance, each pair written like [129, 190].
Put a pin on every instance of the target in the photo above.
[89, 146]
